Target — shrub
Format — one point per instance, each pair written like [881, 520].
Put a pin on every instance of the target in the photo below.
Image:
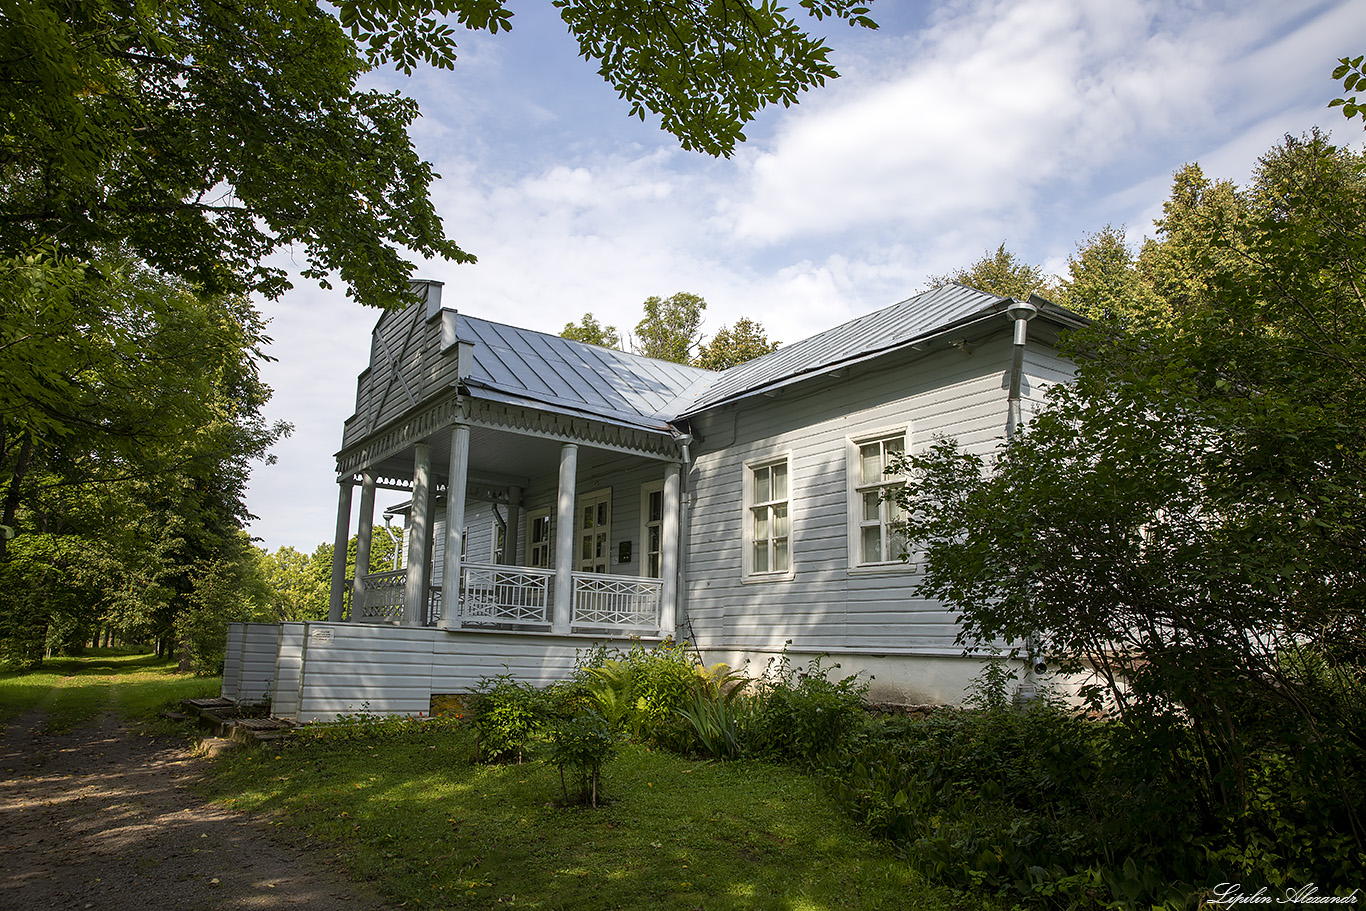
[803, 715]
[640, 691]
[506, 714]
[722, 716]
[582, 744]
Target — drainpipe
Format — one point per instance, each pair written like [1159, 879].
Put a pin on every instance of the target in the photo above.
[1021, 312]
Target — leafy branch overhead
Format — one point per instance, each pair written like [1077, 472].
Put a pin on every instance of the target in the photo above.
[1349, 70]
[206, 136]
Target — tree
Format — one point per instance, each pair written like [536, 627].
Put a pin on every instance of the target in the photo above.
[591, 331]
[1186, 518]
[1103, 281]
[207, 135]
[999, 273]
[729, 347]
[671, 329]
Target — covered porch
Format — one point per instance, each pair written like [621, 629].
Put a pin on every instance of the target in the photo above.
[552, 523]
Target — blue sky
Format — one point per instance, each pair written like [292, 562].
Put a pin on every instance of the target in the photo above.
[956, 126]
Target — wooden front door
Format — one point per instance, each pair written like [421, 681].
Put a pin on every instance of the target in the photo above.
[594, 532]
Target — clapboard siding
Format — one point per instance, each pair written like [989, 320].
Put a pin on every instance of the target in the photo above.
[232, 660]
[260, 646]
[289, 665]
[379, 669]
[352, 667]
[407, 366]
[955, 393]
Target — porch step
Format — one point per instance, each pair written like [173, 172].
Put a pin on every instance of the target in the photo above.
[258, 730]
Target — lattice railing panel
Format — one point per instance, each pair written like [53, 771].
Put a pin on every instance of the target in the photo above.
[505, 594]
[605, 601]
[382, 600]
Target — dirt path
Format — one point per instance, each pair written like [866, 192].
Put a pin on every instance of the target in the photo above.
[103, 818]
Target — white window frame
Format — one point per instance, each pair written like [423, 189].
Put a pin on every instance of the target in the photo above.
[646, 490]
[857, 488]
[548, 544]
[750, 512]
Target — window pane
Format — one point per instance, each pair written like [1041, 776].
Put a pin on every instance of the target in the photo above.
[761, 524]
[780, 554]
[654, 538]
[588, 517]
[870, 459]
[896, 543]
[894, 446]
[601, 546]
[780, 482]
[586, 549]
[762, 487]
[872, 544]
[871, 499]
[654, 566]
[656, 506]
[602, 514]
[780, 521]
[761, 556]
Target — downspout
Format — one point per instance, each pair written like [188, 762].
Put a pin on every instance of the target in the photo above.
[1021, 312]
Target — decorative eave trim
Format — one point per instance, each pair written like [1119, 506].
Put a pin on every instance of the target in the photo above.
[457, 409]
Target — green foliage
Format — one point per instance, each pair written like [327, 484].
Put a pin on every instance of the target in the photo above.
[671, 329]
[591, 331]
[724, 716]
[639, 691]
[804, 716]
[706, 70]
[999, 273]
[580, 745]
[1185, 518]
[508, 716]
[1353, 77]
[729, 347]
[1103, 282]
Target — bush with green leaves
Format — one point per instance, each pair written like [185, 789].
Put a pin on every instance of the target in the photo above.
[507, 715]
[804, 715]
[581, 744]
[639, 692]
[722, 714]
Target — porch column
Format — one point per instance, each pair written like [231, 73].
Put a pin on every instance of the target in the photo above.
[670, 528]
[336, 602]
[413, 595]
[363, 542]
[456, 481]
[514, 520]
[564, 540]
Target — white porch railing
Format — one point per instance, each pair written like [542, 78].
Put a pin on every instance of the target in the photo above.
[382, 597]
[505, 595]
[606, 601]
[520, 597]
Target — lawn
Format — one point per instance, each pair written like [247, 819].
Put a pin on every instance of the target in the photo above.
[402, 806]
[74, 690]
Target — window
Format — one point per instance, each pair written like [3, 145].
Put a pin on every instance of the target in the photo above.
[538, 545]
[652, 529]
[767, 547]
[499, 537]
[876, 534]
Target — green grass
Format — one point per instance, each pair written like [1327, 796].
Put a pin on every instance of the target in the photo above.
[403, 807]
[74, 690]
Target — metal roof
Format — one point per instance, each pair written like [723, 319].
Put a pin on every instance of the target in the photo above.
[522, 366]
[927, 314]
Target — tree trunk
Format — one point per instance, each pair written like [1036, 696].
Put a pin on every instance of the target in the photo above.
[11, 507]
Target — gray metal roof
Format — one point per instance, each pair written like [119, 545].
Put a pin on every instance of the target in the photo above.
[525, 367]
[520, 366]
[927, 314]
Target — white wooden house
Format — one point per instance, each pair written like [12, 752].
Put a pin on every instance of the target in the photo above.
[585, 495]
